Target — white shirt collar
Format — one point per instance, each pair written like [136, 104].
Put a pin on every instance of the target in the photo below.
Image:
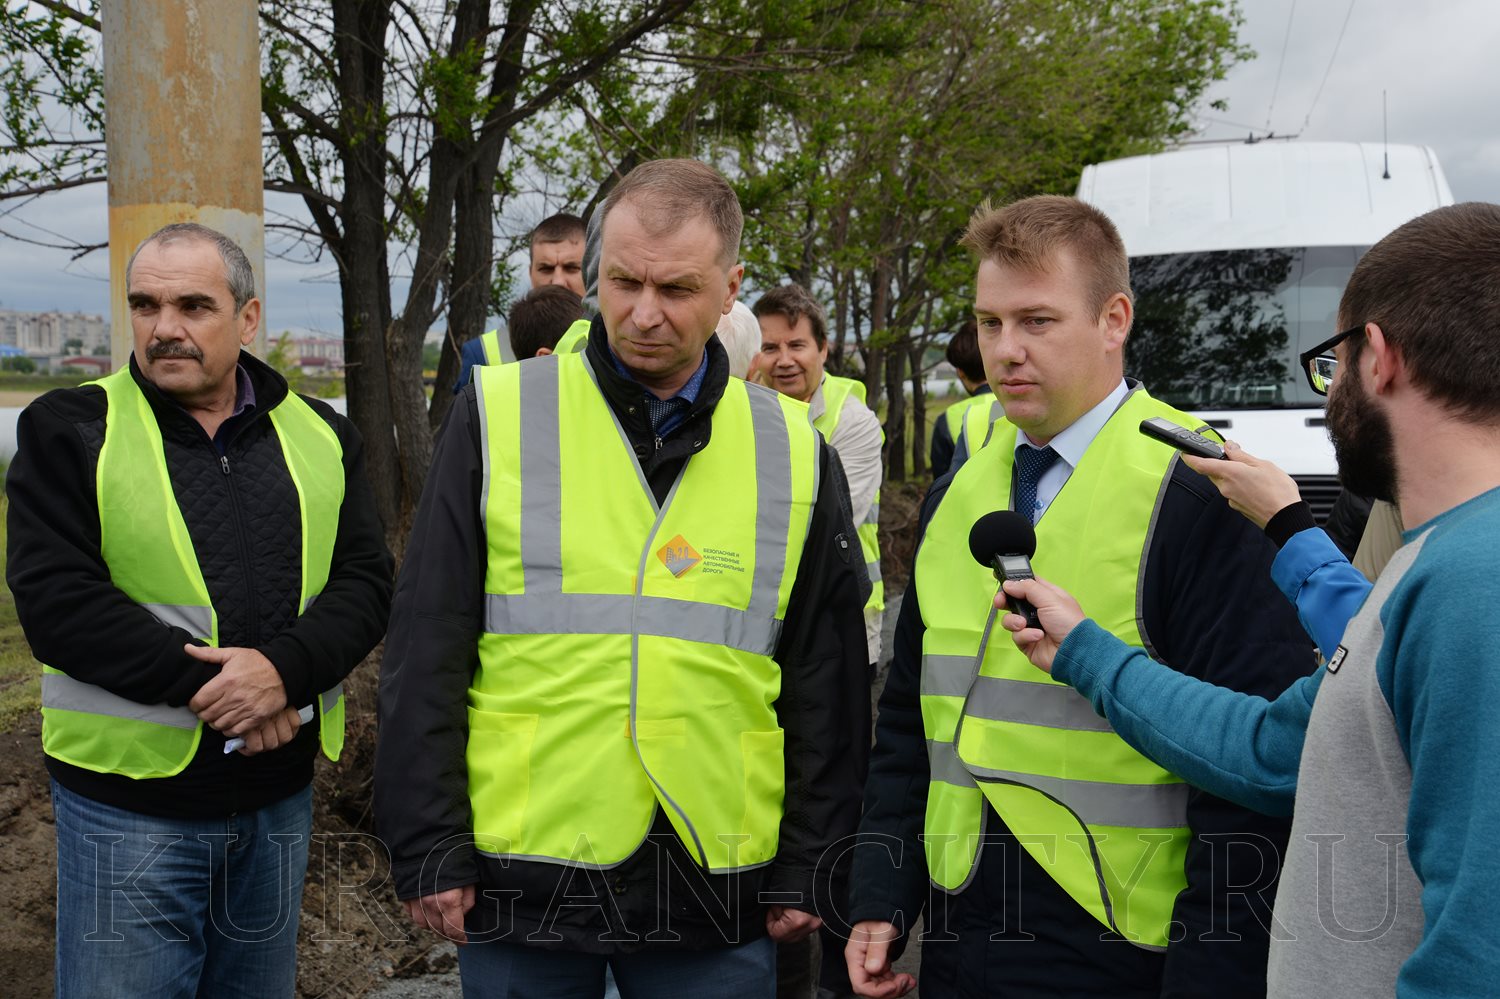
[817, 403]
[1073, 441]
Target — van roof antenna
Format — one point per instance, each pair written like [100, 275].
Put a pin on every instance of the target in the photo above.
[1385, 130]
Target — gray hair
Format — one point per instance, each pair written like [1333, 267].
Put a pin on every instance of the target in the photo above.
[237, 269]
[739, 332]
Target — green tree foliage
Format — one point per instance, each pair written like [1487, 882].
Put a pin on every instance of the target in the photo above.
[860, 137]
[857, 180]
[51, 114]
[982, 100]
[283, 358]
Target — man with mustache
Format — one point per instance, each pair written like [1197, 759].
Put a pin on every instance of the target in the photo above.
[1390, 751]
[196, 557]
[621, 711]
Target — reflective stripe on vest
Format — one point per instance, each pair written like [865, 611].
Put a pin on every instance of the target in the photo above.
[978, 426]
[838, 393]
[1106, 823]
[145, 542]
[625, 662]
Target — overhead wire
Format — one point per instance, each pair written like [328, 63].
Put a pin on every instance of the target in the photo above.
[1291, 14]
[1347, 14]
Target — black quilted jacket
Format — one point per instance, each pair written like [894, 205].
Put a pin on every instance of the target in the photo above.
[241, 511]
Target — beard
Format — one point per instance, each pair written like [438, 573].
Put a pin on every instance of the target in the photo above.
[1362, 441]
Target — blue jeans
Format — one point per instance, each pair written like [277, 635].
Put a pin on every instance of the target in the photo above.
[499, 970]
[177, 908]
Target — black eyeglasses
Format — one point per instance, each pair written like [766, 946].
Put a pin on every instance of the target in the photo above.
[1319, 363]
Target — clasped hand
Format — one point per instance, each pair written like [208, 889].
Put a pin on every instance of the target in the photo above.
[245, 696]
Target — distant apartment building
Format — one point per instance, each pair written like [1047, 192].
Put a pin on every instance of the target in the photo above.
[314, 355]
[49, 334]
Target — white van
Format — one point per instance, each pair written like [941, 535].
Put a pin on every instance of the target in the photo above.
[1238, 256]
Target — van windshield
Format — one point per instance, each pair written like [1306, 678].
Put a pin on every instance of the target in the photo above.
[1222, 329]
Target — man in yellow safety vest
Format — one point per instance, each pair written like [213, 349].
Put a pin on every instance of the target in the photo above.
[556, 260]
[1045, 855]
[197, 559]
[793, 352]
[616, 723]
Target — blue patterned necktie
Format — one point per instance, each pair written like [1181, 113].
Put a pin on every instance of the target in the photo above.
[1031, 464]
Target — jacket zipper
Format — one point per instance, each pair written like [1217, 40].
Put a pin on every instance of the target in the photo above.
[253, 621]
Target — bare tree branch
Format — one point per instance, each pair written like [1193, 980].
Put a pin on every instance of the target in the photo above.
[63, 10]
[59, 185]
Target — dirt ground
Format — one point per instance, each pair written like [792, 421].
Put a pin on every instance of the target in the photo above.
[354, 936]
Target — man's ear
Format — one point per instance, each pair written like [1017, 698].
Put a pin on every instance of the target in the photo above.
[1384, 361]
[736, 275]
[250, 317]
[543, 351]
[1118, 313]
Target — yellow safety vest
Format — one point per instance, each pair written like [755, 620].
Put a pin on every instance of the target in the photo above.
[625, 661]
[489, 345]
[959, 411]
[1107, 824]
[575, 338]
[978, 426]
[837, 393]
[145, 542]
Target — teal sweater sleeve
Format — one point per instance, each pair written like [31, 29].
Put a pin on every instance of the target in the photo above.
[1439, 668]
[1237, 746]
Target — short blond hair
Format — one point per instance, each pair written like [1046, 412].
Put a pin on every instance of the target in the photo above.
[1026, 234]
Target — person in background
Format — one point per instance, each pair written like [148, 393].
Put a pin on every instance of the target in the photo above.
[739, 332]
[1389, 752]
[556, 259]
[963, 355]
[625, 645]
[1381, 538]
[539, 318]
[1044, 854]
[793, 352]
[196, 557]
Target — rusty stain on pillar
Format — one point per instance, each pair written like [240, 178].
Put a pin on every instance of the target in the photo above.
[182, 107]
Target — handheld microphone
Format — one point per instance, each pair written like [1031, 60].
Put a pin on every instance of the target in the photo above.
[1004, 541]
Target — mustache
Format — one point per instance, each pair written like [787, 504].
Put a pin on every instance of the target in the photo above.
[172, 348]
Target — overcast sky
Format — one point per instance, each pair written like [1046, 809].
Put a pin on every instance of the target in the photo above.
[1438, 69]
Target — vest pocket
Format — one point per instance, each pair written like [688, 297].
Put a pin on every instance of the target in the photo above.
[499, 764]
[765, 788]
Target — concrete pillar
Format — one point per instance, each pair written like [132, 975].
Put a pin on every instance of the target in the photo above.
[182, 106]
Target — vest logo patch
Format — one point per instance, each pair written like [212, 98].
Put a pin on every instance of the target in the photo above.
[1338, 659]
[678, 556]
